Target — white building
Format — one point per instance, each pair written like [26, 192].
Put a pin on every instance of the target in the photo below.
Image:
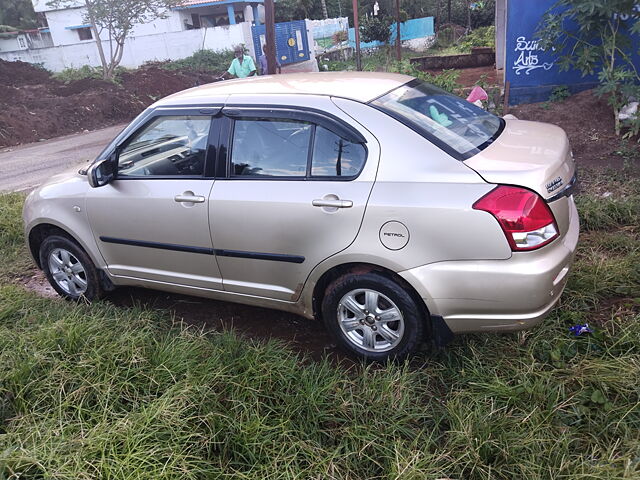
[68, 39]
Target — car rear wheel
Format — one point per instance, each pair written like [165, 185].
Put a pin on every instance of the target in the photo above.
[69, 269]
[372, 317]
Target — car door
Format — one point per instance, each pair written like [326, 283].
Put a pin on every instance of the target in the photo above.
[291, 192]
[151, 222]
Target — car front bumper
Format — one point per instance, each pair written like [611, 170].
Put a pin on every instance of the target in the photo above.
[498, 295]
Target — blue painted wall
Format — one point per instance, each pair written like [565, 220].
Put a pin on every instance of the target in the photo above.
[533, 73]
[409, 30]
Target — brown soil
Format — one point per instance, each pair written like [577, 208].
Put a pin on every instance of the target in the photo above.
[589, 122]
[35, 106]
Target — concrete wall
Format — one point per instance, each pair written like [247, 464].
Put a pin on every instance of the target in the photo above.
[501, 33]
[327, 27]
[59, 20]
[138, 50]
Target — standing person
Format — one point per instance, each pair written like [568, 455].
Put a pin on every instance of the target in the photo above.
[242, 65]
[263, 62]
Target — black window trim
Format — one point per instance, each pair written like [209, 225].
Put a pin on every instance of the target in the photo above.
[213, 112]
[231, 113]
[429, 136]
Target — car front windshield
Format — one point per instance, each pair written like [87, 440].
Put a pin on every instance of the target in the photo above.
[457, 126]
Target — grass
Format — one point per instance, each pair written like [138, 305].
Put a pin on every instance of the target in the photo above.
[97, 391]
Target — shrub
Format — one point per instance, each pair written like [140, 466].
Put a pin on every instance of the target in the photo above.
[447, 80]
[202, 61]
[480, 37]
[375, 29]
[596, 37]
[72, 74]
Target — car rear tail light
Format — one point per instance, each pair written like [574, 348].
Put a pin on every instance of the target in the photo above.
[523, 215]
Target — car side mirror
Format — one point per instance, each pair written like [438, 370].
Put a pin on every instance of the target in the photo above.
[102, 172]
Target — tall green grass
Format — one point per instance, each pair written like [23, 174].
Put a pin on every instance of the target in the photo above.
[102, 392]
[98, 391]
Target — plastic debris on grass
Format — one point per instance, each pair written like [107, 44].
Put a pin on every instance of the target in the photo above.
[578, 330]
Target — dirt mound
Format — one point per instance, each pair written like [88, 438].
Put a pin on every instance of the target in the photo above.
[79, 86]
[36, 106]
[21, 73]
[157, 82]
[589, 123]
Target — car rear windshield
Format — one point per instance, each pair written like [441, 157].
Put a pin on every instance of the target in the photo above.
[458, 127]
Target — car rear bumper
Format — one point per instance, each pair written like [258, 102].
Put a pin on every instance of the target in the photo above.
[498, 295]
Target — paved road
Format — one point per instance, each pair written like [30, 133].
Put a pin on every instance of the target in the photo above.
[26, 166]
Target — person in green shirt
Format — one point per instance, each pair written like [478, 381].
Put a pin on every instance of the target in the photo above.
[242, 66]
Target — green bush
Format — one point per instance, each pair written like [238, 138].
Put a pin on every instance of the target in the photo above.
[480, 37]
[447, 80]
[203, 61]
[72, 74]
[375, 29]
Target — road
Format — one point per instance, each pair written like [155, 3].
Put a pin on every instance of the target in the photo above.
[26, 166]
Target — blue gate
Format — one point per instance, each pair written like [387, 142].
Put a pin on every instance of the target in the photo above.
[292, 44]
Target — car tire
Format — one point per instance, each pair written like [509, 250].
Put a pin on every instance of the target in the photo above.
[373, 317]
[69, 269]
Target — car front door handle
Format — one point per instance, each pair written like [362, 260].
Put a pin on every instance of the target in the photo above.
[322, 202]
[189, 198]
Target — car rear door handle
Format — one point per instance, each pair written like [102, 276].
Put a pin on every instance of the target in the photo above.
[184, 198]
[321, 202]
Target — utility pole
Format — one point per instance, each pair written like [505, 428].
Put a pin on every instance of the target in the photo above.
[356, 24]
[398, 39]
[270, 37]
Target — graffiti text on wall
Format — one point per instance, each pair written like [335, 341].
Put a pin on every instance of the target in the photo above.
[626, 16]
[528, 59]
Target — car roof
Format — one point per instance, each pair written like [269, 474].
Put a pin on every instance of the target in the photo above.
[359, 86]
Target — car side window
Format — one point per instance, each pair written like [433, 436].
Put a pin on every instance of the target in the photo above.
[172, 145]
[270, 147]
[334, 156]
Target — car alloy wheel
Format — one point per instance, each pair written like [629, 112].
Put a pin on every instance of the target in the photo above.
[373, 317]
[67, 272]
[370, 320]
[69, 269]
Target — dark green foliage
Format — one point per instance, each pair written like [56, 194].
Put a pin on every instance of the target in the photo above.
[375, 29]
[202, 61]
[594, 37]
[480, 37]
[17, 14]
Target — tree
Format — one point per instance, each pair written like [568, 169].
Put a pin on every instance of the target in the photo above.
[18, 14]
[116, 19]
[595, 37]
[375, 29]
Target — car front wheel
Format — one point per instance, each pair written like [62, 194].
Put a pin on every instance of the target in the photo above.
[372, 317]
[69, 269]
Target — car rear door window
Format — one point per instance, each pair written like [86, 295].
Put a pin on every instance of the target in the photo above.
[334, 156]
[270, 147]
[172, 145]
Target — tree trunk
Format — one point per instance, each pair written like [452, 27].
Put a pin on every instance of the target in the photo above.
[325, 14]
[448, 11]
[96, 34]
[468, 16]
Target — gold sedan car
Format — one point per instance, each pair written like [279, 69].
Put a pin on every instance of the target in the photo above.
[391, 210]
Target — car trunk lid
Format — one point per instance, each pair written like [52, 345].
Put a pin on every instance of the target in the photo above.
[528, 154]
[533, 155]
